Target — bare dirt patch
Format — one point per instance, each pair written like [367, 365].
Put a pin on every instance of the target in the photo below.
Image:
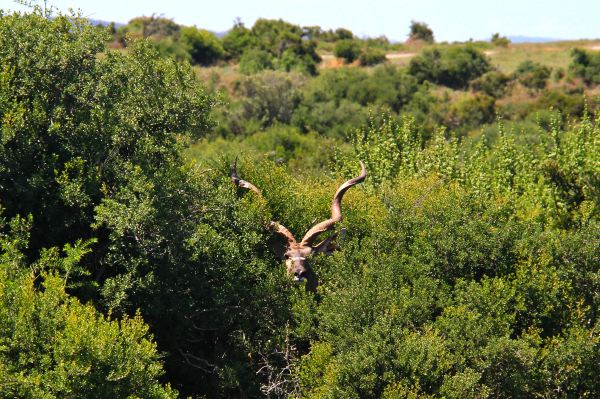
[397, 56]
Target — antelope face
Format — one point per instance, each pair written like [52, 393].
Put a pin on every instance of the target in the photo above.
[296, 261]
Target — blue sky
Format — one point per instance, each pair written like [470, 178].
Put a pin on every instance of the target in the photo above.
[450, 20]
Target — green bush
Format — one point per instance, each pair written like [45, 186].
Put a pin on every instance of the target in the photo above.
[470, 112]
[494, 84]
[500, 41]
[269, 97]
[347, 49]
[203, 46]
[172, 48]
[286, 44]
[387, 86]
[492, 316]
[236, 41]
[454, 67]
[532, 75]
[254, 61]
[586, 65]
[343, 34]
[372, 56]
[303, 60]
[153, 27]
[53, 346]
[340, 99]
[568, 104]
[469, 266]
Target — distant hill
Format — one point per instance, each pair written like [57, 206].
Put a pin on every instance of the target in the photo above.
[97, 22]
[532, 39]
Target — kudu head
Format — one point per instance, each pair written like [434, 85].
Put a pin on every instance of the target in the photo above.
[297, 253]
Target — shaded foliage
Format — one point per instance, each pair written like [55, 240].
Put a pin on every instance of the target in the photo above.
[420, 31]
[532, 75]
[453, 67]
[586, 64]
[52, 346]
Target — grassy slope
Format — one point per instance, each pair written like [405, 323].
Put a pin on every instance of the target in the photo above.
[554, 54]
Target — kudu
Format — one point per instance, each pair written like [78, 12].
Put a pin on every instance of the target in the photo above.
[296, 253]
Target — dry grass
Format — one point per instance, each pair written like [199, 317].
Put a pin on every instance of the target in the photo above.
[555, 54]
[219, 78]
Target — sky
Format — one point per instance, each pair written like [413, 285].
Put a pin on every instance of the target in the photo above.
[451, 20]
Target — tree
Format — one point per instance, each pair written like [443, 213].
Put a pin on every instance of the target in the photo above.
[53, 346]
[236, 41]
[203, 46]
[343, 34]
[500, 41]
[420, 31]
[156, 28]
[254, 60]
[454, 67]
[80, 130]
[287, 45]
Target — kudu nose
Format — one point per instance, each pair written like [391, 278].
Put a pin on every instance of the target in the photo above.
[299, 275]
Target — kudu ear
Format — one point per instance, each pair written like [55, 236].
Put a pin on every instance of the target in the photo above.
[330, 244]
[278, 245]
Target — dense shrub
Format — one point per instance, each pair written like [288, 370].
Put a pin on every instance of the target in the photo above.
[586, 65]
[55, 347]
[494, 84]
[454, 67]
[153, 27]
[169, 47]
[470, 112]
[500, 41]
[254, 61]
[347, 49]
[340, 99]
[237, 39]
[532, 75]
[330, 118]
[285, 43]
[91, 148]
[281, 144]
[428, 108]
[491, 316]
[303, 59]
[568, 104]
[343, 34]
[269, 97]
[372, 56]
[203, 46]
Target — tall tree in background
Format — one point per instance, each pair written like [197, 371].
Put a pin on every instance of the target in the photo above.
[420, 31]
